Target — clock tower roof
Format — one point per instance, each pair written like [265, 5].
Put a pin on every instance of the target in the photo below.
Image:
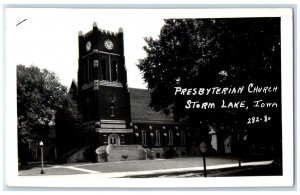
[120, 30]
[95, 24]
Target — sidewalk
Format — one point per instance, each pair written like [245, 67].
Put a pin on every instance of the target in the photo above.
[144, 168]
[179, 171]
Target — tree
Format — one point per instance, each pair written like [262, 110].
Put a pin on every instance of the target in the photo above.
[39, 96]
[184, 50]
[209, 52]
[193, 53]
[67, 121]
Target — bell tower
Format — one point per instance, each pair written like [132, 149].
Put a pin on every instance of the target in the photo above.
[103, 95]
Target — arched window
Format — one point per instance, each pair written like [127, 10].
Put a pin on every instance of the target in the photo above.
[157, 138]
[182, 137]
[144, 138]
[170, 137]
[113, 139]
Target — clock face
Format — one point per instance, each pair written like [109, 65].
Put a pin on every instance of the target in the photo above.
[88, 46]
[108, 44]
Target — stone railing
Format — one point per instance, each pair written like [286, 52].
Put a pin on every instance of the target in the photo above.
[113, 153]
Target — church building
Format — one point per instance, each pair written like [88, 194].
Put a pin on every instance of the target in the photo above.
[112, 112]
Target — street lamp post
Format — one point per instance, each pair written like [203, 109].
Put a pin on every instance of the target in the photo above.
[240, 150]
[42, 157]
[203, 149]
[242, 136]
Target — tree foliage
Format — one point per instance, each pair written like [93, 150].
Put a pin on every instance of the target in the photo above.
[67, 121]
[209, 52]
[39, 96]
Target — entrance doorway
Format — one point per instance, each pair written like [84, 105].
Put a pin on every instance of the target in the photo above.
[113, 139]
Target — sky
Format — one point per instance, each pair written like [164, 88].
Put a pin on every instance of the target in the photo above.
[49, 38]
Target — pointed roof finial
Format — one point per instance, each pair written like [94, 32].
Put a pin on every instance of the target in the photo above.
[74, 81]
[120, 30]
[80, 33]
[95, 24]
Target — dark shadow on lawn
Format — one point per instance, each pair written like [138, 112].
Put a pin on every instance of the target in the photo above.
[262, 170]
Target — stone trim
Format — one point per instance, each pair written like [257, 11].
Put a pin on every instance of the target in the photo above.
[114, 130]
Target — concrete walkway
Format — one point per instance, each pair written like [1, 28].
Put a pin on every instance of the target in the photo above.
[177, 170]
[180, 172]
[138, 168]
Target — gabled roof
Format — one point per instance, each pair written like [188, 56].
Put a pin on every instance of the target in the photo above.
[140, 110]
[74, 86]
[73, 90]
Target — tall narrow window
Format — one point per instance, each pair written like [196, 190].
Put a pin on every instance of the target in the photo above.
[157, 138]
[182, 137]
[103, 62]
[170, 137]
[95, 70]
[95, 63]
[84, 81]
[144, 138]
[114, 70]
[86, 73]
[90, 71]
[113, 140]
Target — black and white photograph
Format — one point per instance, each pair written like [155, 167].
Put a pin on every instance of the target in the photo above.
[199, 96]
